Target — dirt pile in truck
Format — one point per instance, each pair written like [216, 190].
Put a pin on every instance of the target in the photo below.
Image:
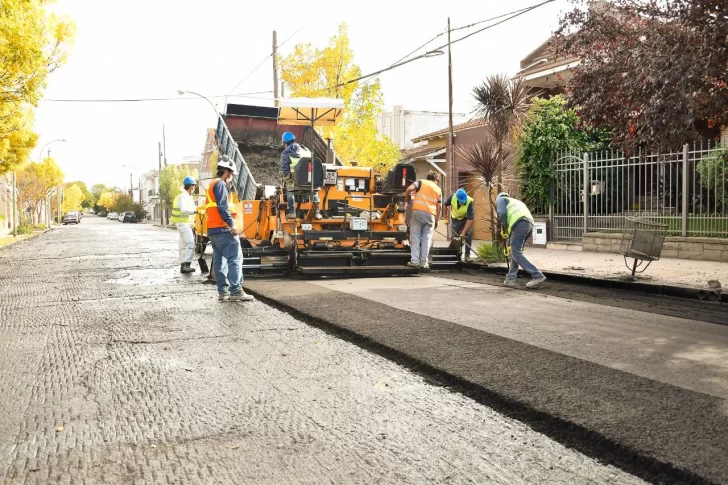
[264, 163]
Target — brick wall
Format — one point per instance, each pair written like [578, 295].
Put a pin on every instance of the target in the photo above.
[708, 249]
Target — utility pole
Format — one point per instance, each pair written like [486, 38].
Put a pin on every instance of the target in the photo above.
[449, 160]
[15, 206]
[164, 144]
[159, 185]
[131, 189]
[275, 67]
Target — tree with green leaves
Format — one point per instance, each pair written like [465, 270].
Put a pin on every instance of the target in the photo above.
[550, 129]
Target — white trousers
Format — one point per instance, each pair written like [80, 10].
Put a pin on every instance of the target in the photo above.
[186, 243]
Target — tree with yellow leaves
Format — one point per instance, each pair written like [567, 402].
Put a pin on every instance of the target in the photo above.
[311, 72]
[35, 180]
[107, 200]
[33, 43]
[72, 198]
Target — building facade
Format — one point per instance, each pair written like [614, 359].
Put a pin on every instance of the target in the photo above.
[401, 125]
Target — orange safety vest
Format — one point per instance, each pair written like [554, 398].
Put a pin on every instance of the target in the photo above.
[214, 220]
[427, 198]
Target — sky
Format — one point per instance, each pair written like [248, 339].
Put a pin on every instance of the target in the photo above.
[150, 49]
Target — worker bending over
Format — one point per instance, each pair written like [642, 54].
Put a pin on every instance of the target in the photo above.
[227, 257]
[183, 216]
[426, 208]
[517, 223]
[291, 155]
[461, 218]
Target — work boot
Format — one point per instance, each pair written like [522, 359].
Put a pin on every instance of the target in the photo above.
[186, 268]
[316, 213]
[536, 282]
[242, 296]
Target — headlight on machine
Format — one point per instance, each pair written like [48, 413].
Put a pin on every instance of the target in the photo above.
[402, 228]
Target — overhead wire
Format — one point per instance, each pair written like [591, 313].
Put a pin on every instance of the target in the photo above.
[506, 17]
[138, 100]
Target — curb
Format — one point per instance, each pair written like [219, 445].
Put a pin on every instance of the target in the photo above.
[35, 235]
[703, 294]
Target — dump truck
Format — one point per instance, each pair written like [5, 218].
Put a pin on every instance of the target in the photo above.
[363, 230]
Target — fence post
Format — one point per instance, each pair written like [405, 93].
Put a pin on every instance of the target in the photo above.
[685, 191]
[551, 231]
[586, 193]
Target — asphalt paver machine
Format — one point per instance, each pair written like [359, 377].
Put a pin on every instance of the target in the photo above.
[362, 231]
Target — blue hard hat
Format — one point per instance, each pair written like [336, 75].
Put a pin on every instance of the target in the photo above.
[502, 194]
[288, 137]
[189, 181]
[462, 196]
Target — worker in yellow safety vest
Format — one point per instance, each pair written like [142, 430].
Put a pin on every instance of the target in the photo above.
[517, 226]
[462, 215]
[426, 208]
[183, 216]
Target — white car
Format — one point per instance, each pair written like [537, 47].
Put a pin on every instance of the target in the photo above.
[112, 215]
[121, 216]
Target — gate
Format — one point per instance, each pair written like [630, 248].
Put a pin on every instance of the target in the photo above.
[567, 207]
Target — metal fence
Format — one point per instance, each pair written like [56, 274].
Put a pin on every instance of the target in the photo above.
[594, 192]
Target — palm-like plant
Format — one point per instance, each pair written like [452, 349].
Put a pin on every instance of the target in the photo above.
[488, 163]
[504, 105]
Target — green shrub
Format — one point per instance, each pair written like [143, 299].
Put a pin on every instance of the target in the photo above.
[492, 252]
[25, 229]
[40, 227]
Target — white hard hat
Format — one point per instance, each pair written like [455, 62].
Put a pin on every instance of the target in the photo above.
[225, 162]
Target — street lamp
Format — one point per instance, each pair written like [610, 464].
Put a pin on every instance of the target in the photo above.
[40, 155]
[217, 113]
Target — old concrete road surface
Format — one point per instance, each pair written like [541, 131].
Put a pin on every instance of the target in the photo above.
[114, 368]
[623, 382]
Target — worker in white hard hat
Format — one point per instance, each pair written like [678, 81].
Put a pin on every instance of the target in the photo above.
[227, 257]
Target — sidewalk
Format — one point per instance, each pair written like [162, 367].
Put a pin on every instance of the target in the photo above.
[666, 271]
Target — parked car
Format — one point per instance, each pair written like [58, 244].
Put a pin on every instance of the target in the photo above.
[113, 216]
[72, 217]
[102, 214]
[129, 217]
[121, 216]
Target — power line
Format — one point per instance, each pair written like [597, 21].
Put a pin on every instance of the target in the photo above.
[264, 61]
[141, 100]
[510, 16]
[251, 72]
[517, 13]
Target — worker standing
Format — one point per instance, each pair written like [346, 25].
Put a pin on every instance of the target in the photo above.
[517, 223]
[227, 257]
[426, 208]
[291, 155]
[461, 218]
[183, 216]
